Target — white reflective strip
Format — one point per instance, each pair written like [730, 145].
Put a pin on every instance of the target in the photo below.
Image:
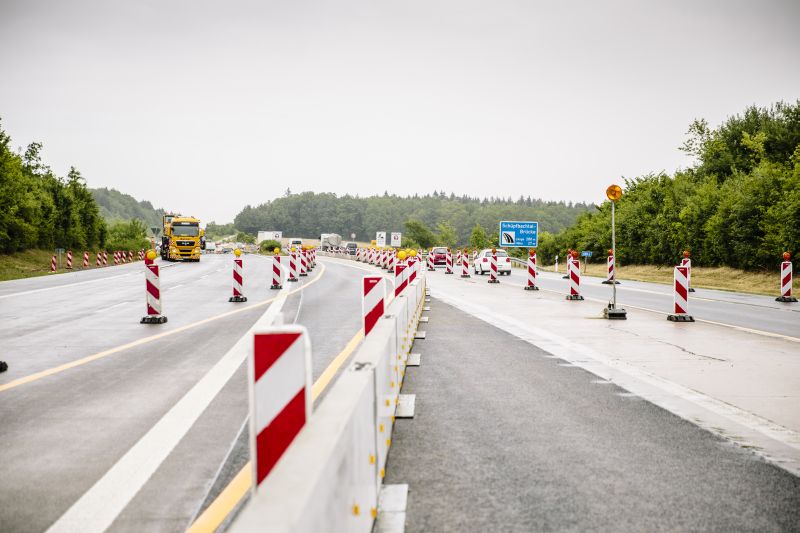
[276, 388]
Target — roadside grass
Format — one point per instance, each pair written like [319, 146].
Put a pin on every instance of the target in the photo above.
[721, 278]
[32, 263]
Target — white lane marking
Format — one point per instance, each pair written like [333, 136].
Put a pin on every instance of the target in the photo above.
[34, 291]
[97, 509]
[737, 424]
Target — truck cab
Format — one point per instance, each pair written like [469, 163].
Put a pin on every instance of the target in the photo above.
[183, 239]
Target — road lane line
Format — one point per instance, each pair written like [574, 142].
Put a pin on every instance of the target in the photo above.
[229, 498]
[139, 342]
[43, 289]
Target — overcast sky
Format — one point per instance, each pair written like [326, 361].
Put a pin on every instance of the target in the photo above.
[204, 107]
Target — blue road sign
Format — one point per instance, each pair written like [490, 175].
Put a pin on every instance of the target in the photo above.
[519, 234]
[586, 253]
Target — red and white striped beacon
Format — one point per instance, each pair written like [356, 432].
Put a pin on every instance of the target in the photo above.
[292, 265]
[786, 280]
[69, 258]
[277, 272]
[448, 267]
[611, 277]
[680, 306]
[153, 291]
[53, 264]
[400, 280]
[238, 278]
[493, 267]
[99, 259]
[279, 371]
[687, 262]
[531, 286]
[85, 259]
[574, 272]
[465, 264]
[372, 301]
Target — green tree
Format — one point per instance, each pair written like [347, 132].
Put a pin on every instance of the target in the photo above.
[478, 239]
[246, 238]
[446, 235]
[419, 233]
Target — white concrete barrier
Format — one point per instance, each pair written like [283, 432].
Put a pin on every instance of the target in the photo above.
[330, 477]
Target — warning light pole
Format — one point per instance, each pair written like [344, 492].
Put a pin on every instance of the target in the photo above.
[612, 312]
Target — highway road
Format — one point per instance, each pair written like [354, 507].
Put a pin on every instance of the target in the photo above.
[748, 311]
[65, 428]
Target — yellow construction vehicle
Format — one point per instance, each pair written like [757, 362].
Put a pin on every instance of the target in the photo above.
[183, 239]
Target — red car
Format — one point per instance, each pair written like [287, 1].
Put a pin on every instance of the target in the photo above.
[439, 255]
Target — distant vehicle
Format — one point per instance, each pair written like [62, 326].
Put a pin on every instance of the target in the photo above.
[482, 264]
[295, 243]
[351, 248]
[182, 238]
[439, 255]
[328, 241]
[211, 247]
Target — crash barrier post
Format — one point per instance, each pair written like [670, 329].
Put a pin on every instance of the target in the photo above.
[493, 267]
[574, 272]
[465, 264]
[153, 292]
[448, 262]
[280, 394]
[330, 477]
[680, 306]
[531, 286]
[372, 301]
[69, 258]
[786, 280]
[238, 279]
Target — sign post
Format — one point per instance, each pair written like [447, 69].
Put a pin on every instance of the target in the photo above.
[612, 312]
[380, 239]
[515, 234]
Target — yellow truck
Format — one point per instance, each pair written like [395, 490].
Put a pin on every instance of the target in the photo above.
[183, 239]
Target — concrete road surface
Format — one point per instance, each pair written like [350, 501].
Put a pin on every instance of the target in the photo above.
[64, 428]
[507, 437]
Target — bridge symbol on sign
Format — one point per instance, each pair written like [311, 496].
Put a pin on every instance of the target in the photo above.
[508, 238]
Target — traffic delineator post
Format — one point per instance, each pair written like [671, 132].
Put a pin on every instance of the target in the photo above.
[680, 306]
[85, 259]
[431, 266]
[53, 264]
[531, 285]
[69, 259]
[493, 267]
[611, 276]
[99, 261]
[448, 267]
[277, 273]
[465, 264]
[292, 266]
[400, 280]
[279, 370]
[574, 272]
[372, 301]
[687, 262]
[238, 279]
[302, 262]
[105, 258]
[152, 291]
[786, 280]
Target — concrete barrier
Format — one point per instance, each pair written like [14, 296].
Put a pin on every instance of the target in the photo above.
[330, 477]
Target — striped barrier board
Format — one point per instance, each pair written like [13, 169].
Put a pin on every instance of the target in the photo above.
[372, 301]
[680, 307]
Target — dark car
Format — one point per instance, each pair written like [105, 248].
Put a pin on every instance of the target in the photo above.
[439, 255]
[351, 248]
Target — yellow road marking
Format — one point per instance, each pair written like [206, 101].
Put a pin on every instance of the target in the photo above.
[221, 507]
[105, 353]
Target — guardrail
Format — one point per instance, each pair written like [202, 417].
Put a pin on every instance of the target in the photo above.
[330, 477]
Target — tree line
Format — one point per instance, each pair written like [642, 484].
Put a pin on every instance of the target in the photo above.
[738, 205]
[310, 214]
[39, 209]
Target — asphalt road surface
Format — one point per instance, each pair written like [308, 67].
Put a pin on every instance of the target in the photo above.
[63, 429]
[509, 438]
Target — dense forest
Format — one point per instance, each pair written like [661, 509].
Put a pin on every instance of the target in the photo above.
[39, 209]
[115, 206]
[309, 214]
[738, 205]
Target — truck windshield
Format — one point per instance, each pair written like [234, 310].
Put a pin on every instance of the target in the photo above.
[186, 231]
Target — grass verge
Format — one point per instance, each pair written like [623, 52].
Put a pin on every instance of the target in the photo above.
[32, 263]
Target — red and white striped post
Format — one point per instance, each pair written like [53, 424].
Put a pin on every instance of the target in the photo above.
[99, 259]
[457, 261]
[238, 278]
[465, 264]
[448, 267]
[431, 266]
[400, 281]
[130, 256]
[493, 267]
[303, 261]
[412, 267]
[277, 273]
[687, 262]
[105, 258]
[680, 308]
[372, 301]
[292, 266]
[786, 280]
[153, 291]
[53, 264]
[279, 369]
[116, 258]
[85, 259]
[531, 286]
[69, 258]
[141, 255]
[574, 272]
[611, 277]
[122, 257]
